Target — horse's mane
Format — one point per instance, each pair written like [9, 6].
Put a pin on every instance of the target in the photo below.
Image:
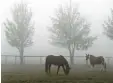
[96, 56]
[92, 55]
[62, 56]
[50, 55]
[64, 59]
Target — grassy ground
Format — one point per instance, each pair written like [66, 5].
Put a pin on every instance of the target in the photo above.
[32, 74]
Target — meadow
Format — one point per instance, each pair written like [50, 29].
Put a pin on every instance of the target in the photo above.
[36, 74]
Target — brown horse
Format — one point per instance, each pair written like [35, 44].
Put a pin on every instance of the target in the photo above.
[96, 60]
[57, 61]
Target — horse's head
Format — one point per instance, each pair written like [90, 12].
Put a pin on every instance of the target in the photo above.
[67, 69]
[87, 56]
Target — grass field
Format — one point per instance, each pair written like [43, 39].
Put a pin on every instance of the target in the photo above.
[36, 74]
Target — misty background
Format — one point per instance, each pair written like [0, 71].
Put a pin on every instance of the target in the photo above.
[94, 11]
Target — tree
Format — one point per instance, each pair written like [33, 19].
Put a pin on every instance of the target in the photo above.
[70, 31]
[108, 26]
[20, 30]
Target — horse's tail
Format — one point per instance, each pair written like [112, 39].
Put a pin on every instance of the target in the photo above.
[46, 66]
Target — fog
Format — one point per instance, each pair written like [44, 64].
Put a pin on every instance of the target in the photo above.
[94, 11]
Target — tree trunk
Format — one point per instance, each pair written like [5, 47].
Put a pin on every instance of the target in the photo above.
[71, 52]
[72, 58]
[21, 55]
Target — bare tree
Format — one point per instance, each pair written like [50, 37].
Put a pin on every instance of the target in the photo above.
[70, 31]
[108, 26]
[19, 30]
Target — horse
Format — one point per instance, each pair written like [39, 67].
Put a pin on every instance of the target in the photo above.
[96, 60]
[57, 61]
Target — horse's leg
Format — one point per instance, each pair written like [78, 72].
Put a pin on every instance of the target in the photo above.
[92, 66]
[63, 68]
[103, 67]
[58, 69]
[49, 68]
[87, 62]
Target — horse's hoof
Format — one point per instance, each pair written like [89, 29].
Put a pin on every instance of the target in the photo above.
[101, 70]
[105, 71]
[49, 74]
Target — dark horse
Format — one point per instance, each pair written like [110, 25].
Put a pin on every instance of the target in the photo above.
[96, 60]
[58, 61]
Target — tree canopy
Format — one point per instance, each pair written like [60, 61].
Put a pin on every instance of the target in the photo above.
[108, 26]
[70, 29]
[19, 30]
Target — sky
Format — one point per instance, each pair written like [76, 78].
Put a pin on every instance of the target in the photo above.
[94, 11]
